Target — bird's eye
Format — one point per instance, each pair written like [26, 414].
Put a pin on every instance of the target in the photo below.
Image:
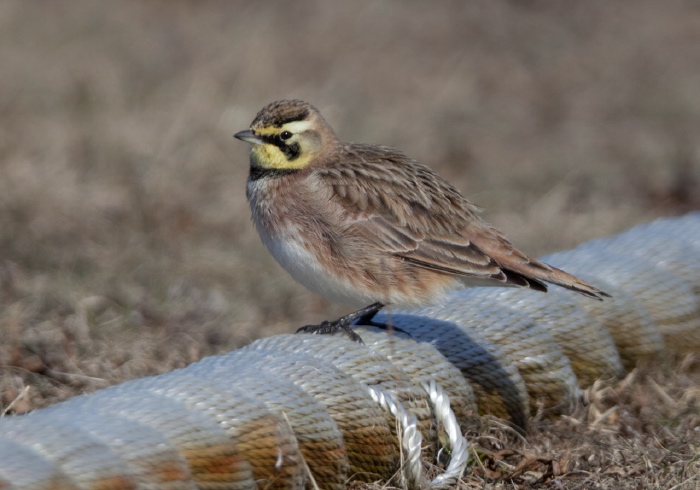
[285, 135]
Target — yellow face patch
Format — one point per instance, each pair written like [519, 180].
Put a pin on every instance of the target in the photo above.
[270, 156]
[268, 131]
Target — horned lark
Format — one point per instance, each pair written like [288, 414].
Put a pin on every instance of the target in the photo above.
[365, 224]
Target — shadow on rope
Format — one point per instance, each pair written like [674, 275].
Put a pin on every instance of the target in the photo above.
[499, 388]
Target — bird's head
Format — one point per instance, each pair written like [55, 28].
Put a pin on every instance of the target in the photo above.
[287, 134]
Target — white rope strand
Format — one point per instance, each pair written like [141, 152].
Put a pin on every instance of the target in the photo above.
[412, 439]
[458, 443]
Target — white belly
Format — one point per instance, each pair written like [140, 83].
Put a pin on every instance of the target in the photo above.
[306, 269]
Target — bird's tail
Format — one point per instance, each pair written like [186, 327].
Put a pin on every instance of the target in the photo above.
[534, 273]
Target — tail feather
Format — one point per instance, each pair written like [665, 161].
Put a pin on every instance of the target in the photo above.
[518, 279]
[566, 280]
[535, 272]
[521, 270]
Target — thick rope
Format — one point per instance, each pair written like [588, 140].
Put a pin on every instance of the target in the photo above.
[295, 411]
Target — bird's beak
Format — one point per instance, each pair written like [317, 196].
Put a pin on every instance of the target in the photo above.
[248, 136]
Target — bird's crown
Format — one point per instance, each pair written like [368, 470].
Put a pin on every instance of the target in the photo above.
[281, 112]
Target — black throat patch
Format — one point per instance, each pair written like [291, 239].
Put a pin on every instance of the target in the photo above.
[257, 173]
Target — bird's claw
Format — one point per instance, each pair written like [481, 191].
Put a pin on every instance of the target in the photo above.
[328, 328]
[362, 317]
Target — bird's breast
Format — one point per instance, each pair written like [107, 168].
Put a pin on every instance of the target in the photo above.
[277, 205]
[298, 235]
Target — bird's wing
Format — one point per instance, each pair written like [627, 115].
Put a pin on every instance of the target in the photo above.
[407, 210]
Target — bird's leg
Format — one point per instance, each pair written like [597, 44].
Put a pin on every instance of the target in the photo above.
[367, 320]
[363, 316]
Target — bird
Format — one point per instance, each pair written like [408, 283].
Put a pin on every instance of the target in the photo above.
[368, 226]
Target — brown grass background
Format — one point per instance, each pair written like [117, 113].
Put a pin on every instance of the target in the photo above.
[126, 247]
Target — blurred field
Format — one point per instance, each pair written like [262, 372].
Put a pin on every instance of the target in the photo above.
[126, 247]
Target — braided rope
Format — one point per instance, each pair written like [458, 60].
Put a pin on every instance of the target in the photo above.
[291, 412]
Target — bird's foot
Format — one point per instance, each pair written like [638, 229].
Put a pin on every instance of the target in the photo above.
[325, 328]
[362, 317]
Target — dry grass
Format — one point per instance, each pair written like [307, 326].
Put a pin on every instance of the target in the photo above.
[640, 433]
[125, 242]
